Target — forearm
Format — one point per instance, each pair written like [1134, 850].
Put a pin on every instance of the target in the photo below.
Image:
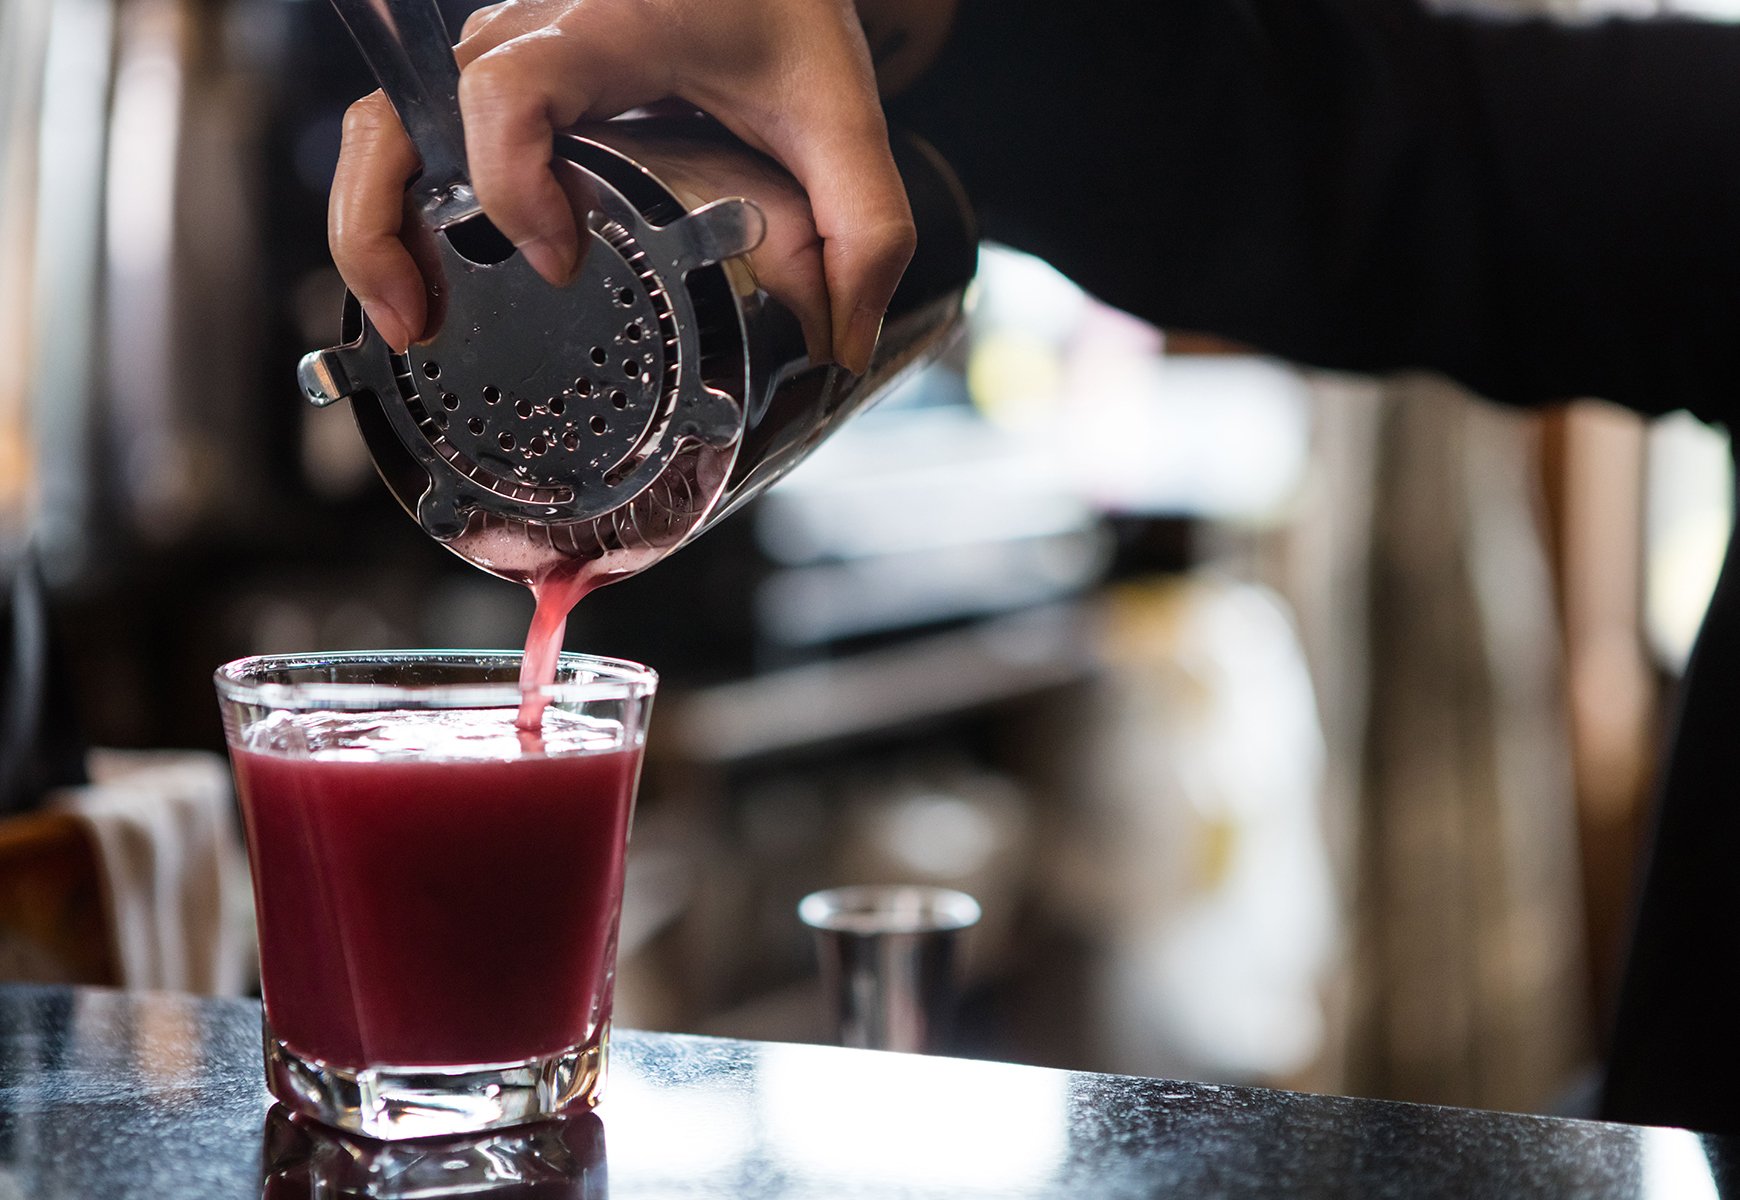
[1537, 210]
[905, 37]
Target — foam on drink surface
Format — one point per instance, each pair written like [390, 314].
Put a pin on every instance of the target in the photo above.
[421, 735]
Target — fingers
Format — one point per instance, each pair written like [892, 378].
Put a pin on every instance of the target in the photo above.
[798, 88]
[788, 263]
[364, 219]
[508, 135]
[841, 157]
[513, 99]
[865, 257]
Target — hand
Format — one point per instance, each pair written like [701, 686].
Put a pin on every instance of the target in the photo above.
[791, 77]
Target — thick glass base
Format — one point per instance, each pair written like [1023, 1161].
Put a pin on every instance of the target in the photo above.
[396, 1103]
[558, 1159]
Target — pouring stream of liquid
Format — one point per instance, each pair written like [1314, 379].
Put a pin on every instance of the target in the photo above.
[555, 595]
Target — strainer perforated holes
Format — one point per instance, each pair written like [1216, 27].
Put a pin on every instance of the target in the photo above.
[510, 344]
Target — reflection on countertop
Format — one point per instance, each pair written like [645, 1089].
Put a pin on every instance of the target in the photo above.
[116, 1095]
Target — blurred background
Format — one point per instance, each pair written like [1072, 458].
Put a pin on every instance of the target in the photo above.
[1301, 733]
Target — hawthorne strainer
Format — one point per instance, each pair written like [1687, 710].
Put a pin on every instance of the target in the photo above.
[608, 420]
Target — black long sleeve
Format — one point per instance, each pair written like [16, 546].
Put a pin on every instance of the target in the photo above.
[1540, 210]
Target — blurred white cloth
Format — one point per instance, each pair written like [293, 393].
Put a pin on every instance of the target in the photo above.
[1197, 859]
[175, 877]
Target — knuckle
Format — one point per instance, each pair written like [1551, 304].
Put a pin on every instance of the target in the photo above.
[893, 241]
[480, 73]
[351, 257]
[501, 192]
[350, 237]
[607, 24]
[479, 19]
[501, 167]
[496, 85]
[507, 182]
[368, 117]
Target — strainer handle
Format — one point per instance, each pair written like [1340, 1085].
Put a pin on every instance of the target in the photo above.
[407, 46]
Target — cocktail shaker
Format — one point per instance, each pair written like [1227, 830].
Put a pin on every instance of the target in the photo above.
[601, 425]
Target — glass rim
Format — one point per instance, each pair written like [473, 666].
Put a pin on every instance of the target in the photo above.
[615, 679]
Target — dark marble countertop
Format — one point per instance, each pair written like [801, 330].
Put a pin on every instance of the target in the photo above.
[110, 1096]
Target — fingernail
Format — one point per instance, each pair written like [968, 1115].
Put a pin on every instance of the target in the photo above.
[554, 262]
[861, 337]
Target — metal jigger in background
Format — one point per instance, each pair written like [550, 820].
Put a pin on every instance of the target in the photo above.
[888, 962]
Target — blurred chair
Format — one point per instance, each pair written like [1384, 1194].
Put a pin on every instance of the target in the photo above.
[54, 926]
